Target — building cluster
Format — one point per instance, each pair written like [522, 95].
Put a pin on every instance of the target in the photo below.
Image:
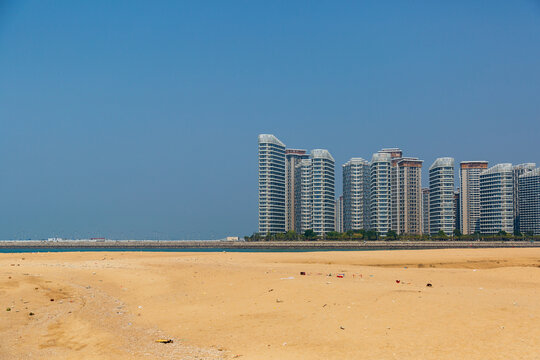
[297, 192]
[296, 189]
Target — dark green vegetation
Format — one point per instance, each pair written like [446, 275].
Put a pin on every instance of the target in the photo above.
[355, 235]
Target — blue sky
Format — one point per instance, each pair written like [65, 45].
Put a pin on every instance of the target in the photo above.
[139, 119]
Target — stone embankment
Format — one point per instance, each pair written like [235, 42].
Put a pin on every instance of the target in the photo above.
[262, 245]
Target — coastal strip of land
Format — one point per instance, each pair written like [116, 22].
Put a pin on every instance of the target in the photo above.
[259, 245]
[430, 304]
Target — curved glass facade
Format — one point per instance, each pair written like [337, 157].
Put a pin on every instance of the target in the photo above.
[529, 204]
[496, 199]
[356, 176]
[441, 196]
[379, 204]
[271, 184]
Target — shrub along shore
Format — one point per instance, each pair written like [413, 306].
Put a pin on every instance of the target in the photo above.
[370, 235]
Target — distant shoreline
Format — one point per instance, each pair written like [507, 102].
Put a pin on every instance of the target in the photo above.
[134, 245]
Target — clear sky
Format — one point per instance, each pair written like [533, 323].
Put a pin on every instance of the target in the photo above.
[139, 119]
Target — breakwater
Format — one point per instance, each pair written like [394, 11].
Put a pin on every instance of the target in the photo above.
[134, 245]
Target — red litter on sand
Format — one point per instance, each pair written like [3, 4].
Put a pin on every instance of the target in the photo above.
[302, 273]
[341, 276]
[398, 281]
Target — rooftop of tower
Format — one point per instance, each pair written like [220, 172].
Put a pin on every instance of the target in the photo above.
[380, 156]
[356, 161]
[530, 166]
[505, 167]
[394, 152]
[295, 151]
[321, 154]
[269, 139]
[408, 162]
[535, 172]
[442, 162]
[480, 164]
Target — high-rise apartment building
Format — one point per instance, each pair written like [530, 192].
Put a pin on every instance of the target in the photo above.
[395, 192]
[379, 202]
[271, 184]
[425, 211]
[529, 202]
[323, 190]
[470, 195]
[496, 199]
[304, 196]
[338, 223]
[406, 195]
[317, 192]
[441, 196]
[356, 179]
[518, 171]
[292, 160]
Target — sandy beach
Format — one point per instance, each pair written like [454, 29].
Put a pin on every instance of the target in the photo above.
[482, 304]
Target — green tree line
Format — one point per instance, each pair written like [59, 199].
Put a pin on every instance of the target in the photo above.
[370, 235]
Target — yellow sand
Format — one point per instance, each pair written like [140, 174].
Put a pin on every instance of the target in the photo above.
[483, 304]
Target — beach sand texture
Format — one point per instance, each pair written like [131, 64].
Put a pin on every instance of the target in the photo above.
[483, 304]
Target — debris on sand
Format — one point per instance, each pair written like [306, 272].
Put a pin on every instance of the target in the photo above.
[164, 341]
[429, 285]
